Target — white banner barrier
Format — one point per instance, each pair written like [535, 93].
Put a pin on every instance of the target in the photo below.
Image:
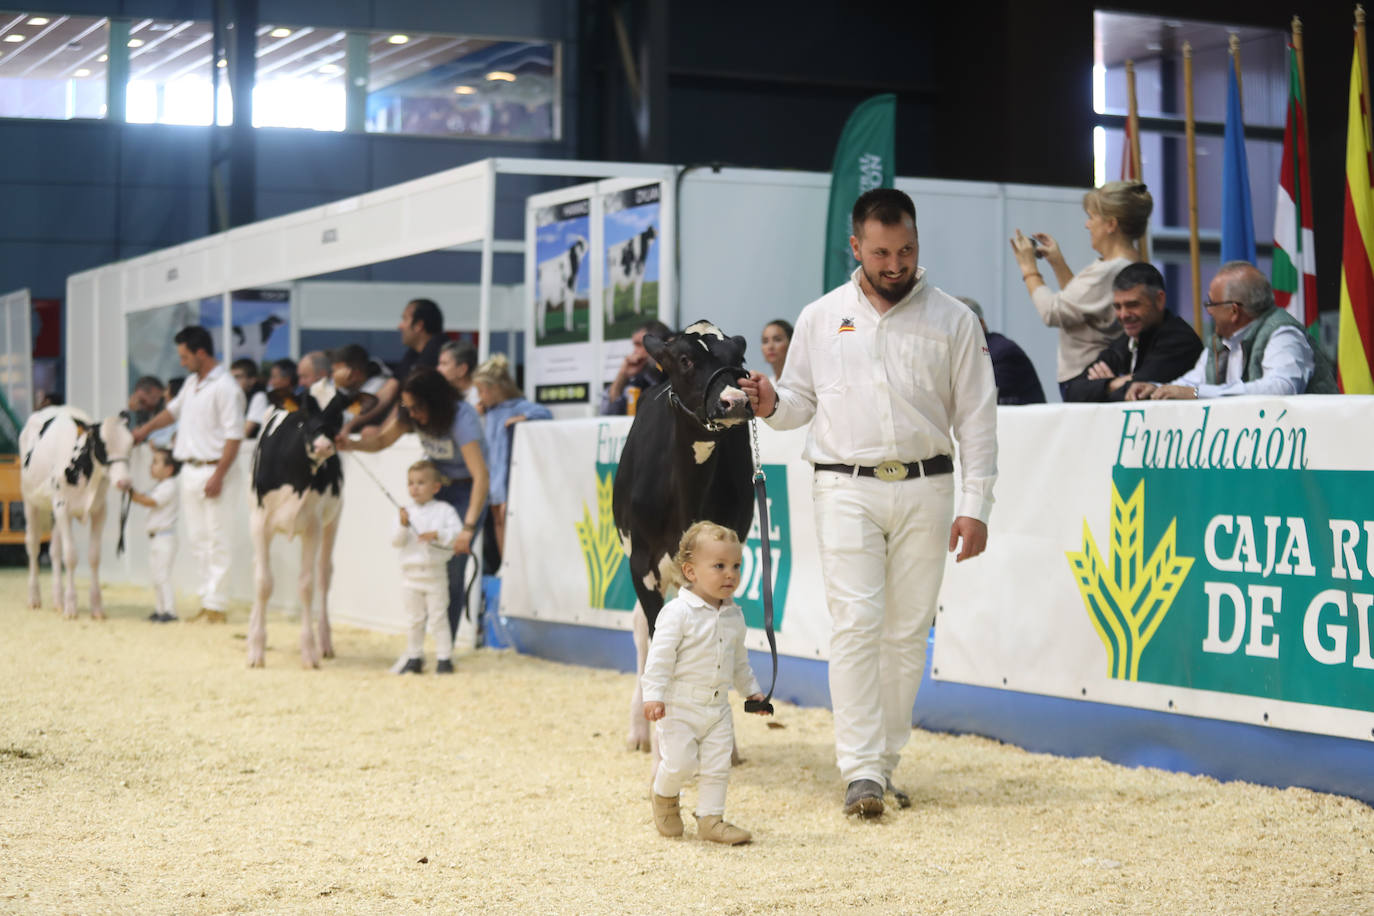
[1213, 559]
[1209, 558]
[565, 562]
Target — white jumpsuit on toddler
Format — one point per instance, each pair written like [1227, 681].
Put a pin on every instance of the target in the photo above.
[696, 654]
[424, 574]
[162, 544]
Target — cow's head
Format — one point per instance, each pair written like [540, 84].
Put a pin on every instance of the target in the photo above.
[703, 367]
[318, 426]
[111, 444]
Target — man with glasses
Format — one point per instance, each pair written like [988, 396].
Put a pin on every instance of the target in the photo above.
[1257, 348]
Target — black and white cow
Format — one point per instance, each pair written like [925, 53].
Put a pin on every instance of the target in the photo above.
[625, 265]
[557, 284]
[297, 480]
[685, 460]
[68, 464]
[250, 341]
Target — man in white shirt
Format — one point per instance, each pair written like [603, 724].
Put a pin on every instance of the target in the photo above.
[887, 365]
[209, 413]
[1258, 348]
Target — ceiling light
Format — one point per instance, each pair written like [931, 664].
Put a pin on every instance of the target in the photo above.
[161, 27]
[14, 38]
[465, 90]
[280, 33]
[82, 72]
[135, 42]
[330, 68]
[102, 58]
[39, 20]
[221, 63]
[501, 76]
[398, 39]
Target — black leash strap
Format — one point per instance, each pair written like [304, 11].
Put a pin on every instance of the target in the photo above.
[766, 570]
[125, 501]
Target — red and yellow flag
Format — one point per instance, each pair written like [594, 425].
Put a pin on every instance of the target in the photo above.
[1356, 348]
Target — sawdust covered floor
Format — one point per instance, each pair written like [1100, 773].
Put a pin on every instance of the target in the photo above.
[143, 768]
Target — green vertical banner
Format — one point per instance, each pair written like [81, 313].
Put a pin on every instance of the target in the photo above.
[864, 160]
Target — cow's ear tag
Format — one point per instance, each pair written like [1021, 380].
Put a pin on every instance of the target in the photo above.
[81, 427]
[284, 399]
[363, 402]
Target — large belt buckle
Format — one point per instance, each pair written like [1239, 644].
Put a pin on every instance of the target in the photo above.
[890, 470]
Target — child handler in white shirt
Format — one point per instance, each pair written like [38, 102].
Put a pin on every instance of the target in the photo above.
[696, 653]
[162, 532]
[426, 533]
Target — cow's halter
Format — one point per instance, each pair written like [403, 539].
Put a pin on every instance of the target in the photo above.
[711, 426]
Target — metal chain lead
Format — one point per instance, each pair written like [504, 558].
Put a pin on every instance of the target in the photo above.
[758, 456]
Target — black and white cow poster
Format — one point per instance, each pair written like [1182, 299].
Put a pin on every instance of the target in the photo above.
[562, 355]
[632, 232]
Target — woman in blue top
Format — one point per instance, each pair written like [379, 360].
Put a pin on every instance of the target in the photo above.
[503, 406]
[451, 434]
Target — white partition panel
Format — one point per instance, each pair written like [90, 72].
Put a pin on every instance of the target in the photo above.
[16, 352]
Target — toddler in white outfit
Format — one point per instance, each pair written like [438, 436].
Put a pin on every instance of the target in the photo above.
[696, 654]
[162, 532]
[425, 532]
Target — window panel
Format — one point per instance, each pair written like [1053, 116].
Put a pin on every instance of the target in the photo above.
[52, 66]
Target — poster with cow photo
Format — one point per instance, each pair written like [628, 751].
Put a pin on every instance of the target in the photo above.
[562, 304]
[632, 231]
[260, 324]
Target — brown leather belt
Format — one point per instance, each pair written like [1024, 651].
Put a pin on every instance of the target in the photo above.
[197, 463]
[895, 470]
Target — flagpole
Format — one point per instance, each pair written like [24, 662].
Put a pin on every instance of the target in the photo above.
[1234, 43]
[1190, 138]
[1302, 74]
[1364, 68]
[1133, 126]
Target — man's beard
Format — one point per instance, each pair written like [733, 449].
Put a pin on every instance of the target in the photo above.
[883, 288]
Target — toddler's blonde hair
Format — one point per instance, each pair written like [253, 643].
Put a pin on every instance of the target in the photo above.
[426, 465]
[691, 538]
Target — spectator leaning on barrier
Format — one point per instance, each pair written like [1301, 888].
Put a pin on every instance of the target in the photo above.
[422, 334]
[1017, 382]
[1157, 345]
[245, 372]
[313, 367]
[1258, 348]
[637, 373]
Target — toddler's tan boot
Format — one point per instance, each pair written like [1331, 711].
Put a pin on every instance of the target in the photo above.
[712, 827]
[667, 818]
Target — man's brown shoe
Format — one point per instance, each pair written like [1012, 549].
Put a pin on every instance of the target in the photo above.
[712, 827]
[215, 616]
[667, 817]
[864, 797]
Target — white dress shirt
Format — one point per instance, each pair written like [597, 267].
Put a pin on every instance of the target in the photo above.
[209, 411]
[1287, 365]
[891, 386]
[163, 516]
[697, 651]
[419, 558]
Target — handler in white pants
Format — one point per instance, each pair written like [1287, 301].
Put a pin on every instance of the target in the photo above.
[886, 367]
[209, 412]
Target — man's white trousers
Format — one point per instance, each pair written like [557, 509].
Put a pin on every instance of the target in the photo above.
[209, 525]
[882, 548]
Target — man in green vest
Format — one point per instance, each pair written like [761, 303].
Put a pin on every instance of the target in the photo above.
[1257, 348]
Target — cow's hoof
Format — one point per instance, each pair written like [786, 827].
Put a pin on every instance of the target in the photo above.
[638, 743]
[327, 653]
[735, 758]
[97, 615]
[256, 663]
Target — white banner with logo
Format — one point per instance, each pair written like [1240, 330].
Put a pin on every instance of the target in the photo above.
[1208, 558]
[566, 563]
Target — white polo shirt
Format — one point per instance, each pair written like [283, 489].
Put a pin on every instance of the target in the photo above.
[163, 516]
[209, 411]
[893, 386]
[698, 650]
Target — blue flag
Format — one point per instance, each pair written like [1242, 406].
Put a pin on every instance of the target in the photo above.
[1237, 221]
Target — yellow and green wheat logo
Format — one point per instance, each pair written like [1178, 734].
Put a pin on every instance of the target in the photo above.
[600, 542]
[1127, 599]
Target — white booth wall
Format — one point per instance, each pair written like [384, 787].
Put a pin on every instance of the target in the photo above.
[751, 245]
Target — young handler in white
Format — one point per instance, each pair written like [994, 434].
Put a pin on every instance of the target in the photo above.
[425, 532]
[162, 533]
[696, 654]
[887, 365]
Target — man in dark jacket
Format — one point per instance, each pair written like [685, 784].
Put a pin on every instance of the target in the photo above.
[1013, 370]
[1157, 346]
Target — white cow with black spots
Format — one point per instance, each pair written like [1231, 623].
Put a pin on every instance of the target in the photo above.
[68, 463]
[626, 263]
